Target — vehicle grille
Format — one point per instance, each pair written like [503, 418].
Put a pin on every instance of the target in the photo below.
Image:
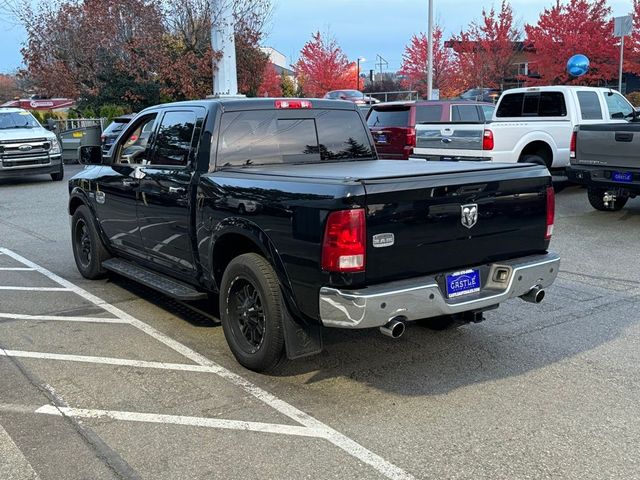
[25, 153]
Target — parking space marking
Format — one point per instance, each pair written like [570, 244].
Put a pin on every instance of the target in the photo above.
[183, 420]
[13, 464]
[34, 289]
[59, 318]
[16, 269]
[338, 439]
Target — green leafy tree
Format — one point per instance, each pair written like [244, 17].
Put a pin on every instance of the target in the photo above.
[287, 86]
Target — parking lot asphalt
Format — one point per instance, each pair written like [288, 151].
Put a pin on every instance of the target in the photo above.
[109, 380]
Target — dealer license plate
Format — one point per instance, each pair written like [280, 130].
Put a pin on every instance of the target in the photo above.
[463, 283]
[381, 138]
[622, 177]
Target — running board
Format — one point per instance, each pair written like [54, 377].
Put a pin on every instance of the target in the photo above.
[162, 283]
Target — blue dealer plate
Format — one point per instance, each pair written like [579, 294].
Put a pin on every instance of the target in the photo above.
[381, 138]
[622, 177]
[463, 283]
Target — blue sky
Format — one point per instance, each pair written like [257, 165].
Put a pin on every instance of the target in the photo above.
[363, 28]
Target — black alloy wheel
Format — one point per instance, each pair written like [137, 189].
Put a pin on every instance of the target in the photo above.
[246, 314]
[88, 250]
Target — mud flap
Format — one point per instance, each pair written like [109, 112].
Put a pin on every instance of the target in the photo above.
[301, 340]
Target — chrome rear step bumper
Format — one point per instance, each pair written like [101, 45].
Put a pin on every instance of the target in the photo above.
[423, 297]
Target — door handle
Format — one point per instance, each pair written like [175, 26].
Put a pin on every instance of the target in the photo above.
[178, 190]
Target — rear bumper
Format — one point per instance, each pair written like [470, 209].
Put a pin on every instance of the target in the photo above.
[15, 169]
[597, 176]
[423, 297]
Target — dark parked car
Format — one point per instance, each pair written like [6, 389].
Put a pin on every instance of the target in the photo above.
[334, 237]
[489, 95]
[114, 129]
[355, 96]
[393, 124]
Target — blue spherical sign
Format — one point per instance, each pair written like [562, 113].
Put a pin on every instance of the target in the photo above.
[578, 65]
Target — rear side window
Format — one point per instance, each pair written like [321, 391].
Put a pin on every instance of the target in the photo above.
[488, 110]
[173, 141]
[389, 117]
[589, 106]
[428, 114]
[262, 137]
[115, 127]
[465, 113]
[539, 104]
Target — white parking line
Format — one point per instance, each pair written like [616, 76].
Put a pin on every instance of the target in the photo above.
[183, 420]
[16, 269]
[343, 442]
[59, 318]
[13, 464]
[35, 289]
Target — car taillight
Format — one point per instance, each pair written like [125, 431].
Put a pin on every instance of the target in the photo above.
[572, 146]
[409, 142]
[293, 104]
[551, 212]
[487, 140]
[344, 244]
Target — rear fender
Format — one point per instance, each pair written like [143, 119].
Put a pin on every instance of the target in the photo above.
[537, 136]
[302, 336]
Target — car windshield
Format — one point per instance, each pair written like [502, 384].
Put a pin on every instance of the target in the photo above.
[9, 120]
[116, 127]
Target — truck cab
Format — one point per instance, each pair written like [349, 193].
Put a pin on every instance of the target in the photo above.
[27, 148]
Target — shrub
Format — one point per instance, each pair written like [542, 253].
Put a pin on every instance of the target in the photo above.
[634, 98]
[111, 111]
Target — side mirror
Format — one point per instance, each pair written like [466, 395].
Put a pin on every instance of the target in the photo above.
[617, 116]
[90, 155]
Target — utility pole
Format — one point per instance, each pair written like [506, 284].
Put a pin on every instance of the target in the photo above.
[430, 53]
[225, 76]
[622, 26]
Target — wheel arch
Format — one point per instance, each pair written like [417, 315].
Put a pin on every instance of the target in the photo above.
[538, 143]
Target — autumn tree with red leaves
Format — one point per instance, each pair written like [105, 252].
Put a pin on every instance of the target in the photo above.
[415, 63]
[487, 50]
[577, 26]
[323, 66]
[271, 83]
[9, 88]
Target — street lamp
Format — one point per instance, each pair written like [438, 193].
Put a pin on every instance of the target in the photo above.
[360, 59]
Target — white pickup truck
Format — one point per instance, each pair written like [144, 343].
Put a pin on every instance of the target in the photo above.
[529, 125]
[26, 148]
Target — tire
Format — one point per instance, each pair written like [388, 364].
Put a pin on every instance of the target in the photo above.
[252, 312]
[88, 250]
[537, 159]
[595, 199]
[58, 176]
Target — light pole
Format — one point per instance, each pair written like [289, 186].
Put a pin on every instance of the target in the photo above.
[360, 59]
[430, 52]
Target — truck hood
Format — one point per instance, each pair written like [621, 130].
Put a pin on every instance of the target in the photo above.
[25, 134]
[374, 169]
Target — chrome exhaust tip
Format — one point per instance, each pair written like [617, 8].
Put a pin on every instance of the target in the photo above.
[394, 328]
[535, 295]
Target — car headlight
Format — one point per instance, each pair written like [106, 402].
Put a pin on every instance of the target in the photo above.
[55, 147]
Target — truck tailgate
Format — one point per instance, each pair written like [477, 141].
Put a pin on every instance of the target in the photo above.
[431, 230]
[449, 136]
[614, 145]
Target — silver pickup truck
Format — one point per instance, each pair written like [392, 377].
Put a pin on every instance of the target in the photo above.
[606, 158]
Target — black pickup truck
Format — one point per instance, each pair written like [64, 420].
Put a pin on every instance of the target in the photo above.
[282, 208]
[605, 158]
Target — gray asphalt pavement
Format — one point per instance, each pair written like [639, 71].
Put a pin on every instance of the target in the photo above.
[147, 389]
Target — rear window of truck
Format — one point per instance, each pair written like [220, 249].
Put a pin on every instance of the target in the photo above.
[534, 104]
[262, 137]
[389, 117]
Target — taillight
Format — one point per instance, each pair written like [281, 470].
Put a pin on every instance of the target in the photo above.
[551, 212]
[344, 244]
[292, 104]
[572, 145]
[487, 140]
[409, 142]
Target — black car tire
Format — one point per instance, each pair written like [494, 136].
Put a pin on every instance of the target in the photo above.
[88, 250]
[250, 278]
[595, 199]
[58, 176]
